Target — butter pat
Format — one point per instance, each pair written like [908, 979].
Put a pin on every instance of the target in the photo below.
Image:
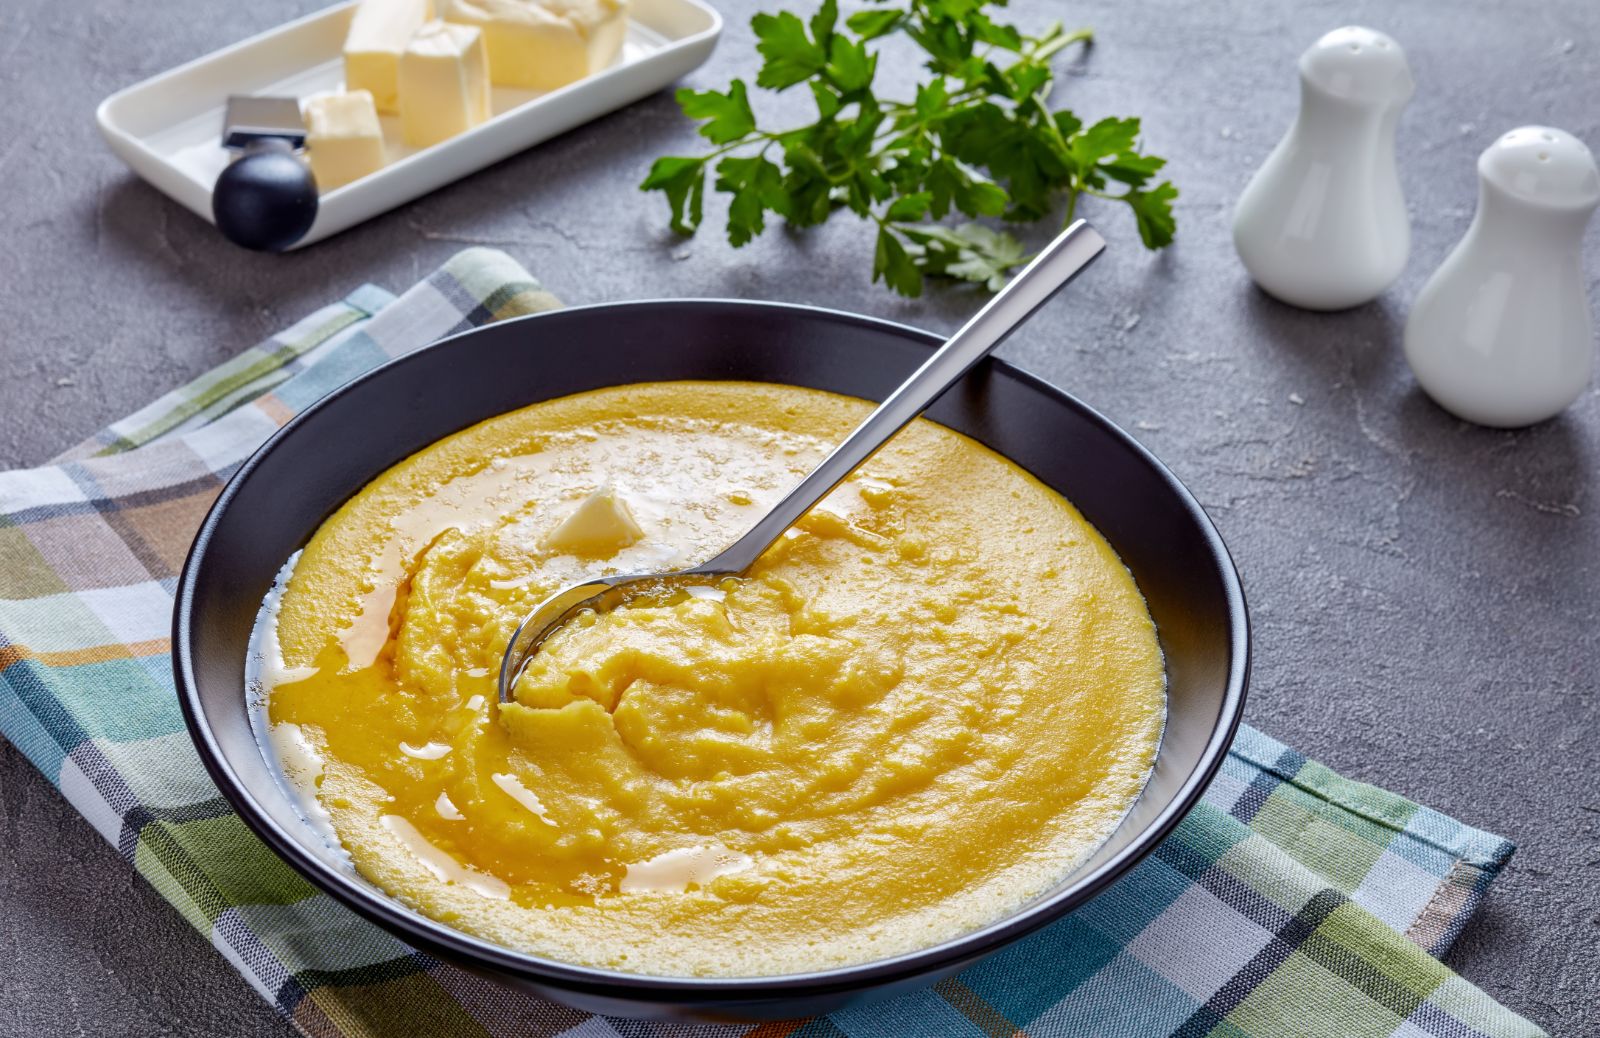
[379, 33]
[601, 526]
[343, 138]
[444, 83]
[542, 46]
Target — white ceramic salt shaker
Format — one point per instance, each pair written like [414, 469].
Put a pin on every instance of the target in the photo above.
[1501, 334]
[1322, 225]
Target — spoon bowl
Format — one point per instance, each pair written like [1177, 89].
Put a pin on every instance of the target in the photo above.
[601, 594]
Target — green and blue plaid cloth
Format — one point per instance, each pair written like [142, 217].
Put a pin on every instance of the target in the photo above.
[1291, 902]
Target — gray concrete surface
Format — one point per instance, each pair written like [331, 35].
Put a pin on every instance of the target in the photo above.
[1424, 592]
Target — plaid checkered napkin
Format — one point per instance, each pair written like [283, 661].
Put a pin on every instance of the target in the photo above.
[1291, 902]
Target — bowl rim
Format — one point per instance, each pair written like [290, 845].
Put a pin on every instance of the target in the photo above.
[423, 932]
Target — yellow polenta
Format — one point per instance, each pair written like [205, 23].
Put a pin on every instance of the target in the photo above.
[927, 703]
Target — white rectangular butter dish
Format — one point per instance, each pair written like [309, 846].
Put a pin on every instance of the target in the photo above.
[167, 128]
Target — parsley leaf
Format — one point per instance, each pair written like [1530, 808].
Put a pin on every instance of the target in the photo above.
[850, 67]
[791, 56]
[1106, 137]
[869, 25]
[971, 252]
[823, 21]
[684, 181]
[756, 185]
[1153, 211]
[910, 207]
[728, 116]
[891, 262]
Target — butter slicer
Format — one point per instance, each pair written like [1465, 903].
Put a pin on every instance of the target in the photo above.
[266, 198]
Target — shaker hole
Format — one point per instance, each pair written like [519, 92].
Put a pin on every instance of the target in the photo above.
[1547, 136]
[1355, 47]
[1544, 156]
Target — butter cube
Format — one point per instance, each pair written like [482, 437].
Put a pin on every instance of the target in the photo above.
[444, 83]
[544, 44]
[378, 35]
[343, 138]
[599, 527]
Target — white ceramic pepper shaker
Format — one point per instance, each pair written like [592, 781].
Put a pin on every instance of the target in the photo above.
[1322, 225]
[1501, 334]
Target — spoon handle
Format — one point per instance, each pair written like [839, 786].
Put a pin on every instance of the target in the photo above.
[1057, 264]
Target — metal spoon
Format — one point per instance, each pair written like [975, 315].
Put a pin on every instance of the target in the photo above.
[1057, 264]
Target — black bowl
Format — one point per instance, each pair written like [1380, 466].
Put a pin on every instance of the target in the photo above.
[278, 498]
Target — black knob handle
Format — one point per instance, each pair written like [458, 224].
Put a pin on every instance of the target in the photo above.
[267, 199]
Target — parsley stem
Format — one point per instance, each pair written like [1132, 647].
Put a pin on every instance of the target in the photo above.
[745, 141]
[1049, 123]
[1058, 43]
[951, 100]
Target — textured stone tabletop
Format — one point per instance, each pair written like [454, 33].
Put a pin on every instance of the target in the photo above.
[1424, 592]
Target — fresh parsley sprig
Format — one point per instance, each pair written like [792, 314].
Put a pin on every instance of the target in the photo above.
[979, 139]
